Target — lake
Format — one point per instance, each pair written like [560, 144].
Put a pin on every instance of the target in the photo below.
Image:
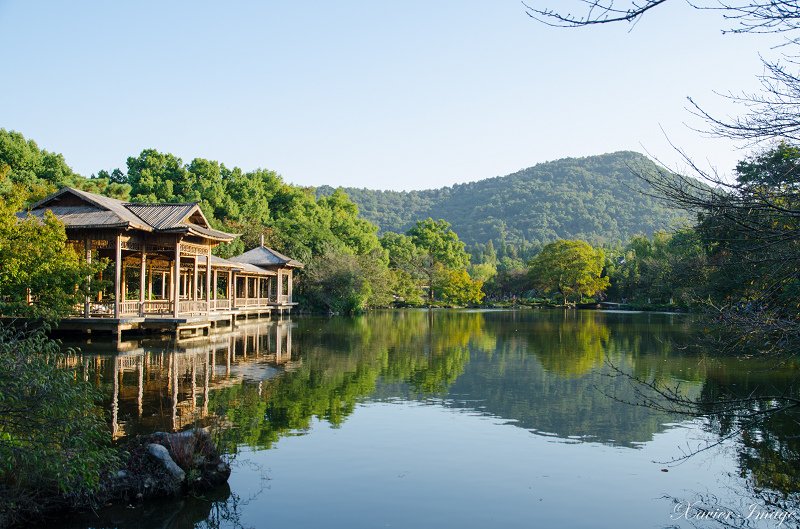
[457, 419]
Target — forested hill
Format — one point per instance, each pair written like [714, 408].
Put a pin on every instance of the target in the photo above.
[597, 198]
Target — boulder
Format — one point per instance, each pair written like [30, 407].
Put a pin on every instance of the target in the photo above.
[161, 454]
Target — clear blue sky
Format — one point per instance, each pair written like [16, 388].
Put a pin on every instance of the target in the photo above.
[391, 95]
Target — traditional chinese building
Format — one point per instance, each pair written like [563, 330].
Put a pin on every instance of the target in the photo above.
[162, 274]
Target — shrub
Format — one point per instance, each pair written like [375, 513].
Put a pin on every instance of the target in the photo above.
[54, 442]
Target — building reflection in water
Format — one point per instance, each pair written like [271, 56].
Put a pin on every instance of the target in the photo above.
[156, 384]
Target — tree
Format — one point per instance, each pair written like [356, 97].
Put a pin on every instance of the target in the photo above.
[40, 275]
[774, 112]
[570, 268]
[458, 288]
[346, 284]
[666, 269]
[440, 250]
[746, 16]
[405, 263]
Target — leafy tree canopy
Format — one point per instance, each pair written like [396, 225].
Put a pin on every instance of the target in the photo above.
[571, 269]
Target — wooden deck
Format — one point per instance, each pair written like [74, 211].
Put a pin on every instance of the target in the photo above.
[189, 323]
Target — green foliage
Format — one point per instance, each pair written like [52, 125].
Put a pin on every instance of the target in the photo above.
[37, 265]
[39, 172]
[456, 287]
[439, 243]
[345, 283]
[596, 199]
[432, 256]
[775, 168]
[570, 268]
[751, 236]
[511, 280]
[667, 269]
[439, 251]
[54, 440]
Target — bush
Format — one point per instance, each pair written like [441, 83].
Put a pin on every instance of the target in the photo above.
[54, 442]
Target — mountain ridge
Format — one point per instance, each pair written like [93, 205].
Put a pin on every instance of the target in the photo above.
[595, 198]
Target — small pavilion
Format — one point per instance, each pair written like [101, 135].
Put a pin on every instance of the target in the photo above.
[161, 267]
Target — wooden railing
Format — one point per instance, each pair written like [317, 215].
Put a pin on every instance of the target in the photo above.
[102, 309]
[158, 306]
[250, 302]
[165, 307]
[129, 307]
[192, 307]
[220, 304]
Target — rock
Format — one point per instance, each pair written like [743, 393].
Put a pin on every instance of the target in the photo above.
[160, 453]
[122, 474]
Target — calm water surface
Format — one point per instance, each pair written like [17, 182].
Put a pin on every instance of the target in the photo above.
[418, 419]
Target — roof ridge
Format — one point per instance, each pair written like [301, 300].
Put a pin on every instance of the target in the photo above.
[160, 204]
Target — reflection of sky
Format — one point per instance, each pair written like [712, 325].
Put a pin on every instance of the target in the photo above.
[404, 464]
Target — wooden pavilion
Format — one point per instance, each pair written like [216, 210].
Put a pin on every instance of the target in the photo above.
[162, 273]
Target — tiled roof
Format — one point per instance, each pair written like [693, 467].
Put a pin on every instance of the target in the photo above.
[97, 211]
[162, 216]
[253, 269]
[117, 213]
[82, 217]
[264, 257]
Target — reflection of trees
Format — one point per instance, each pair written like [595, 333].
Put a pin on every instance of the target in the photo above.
[428, 349]
[738, 404]
[545, 370]
[216, 508]
[549, 372]
[570, 344]
[340, 362]
[767, 443]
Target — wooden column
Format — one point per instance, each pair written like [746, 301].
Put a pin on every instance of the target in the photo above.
[124, 284]
[118, 276]
[194, 278]
[176, 276]
[230, 289]
[87, 308]
[164, 293]
[258, 291]
[280, 287]
[208, 282]
[215, 283]
[142, 281]
[289, 291]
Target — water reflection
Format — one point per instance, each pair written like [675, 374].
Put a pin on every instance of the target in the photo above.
[157, 384]
[544, 372]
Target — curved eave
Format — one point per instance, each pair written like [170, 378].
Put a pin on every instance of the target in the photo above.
[214, 235]
[218, 236]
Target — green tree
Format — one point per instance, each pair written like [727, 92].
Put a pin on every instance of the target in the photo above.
[458, 288]
[40, 274]
[440, 250]
[570, 268]
[406, 263]
[344, 283]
